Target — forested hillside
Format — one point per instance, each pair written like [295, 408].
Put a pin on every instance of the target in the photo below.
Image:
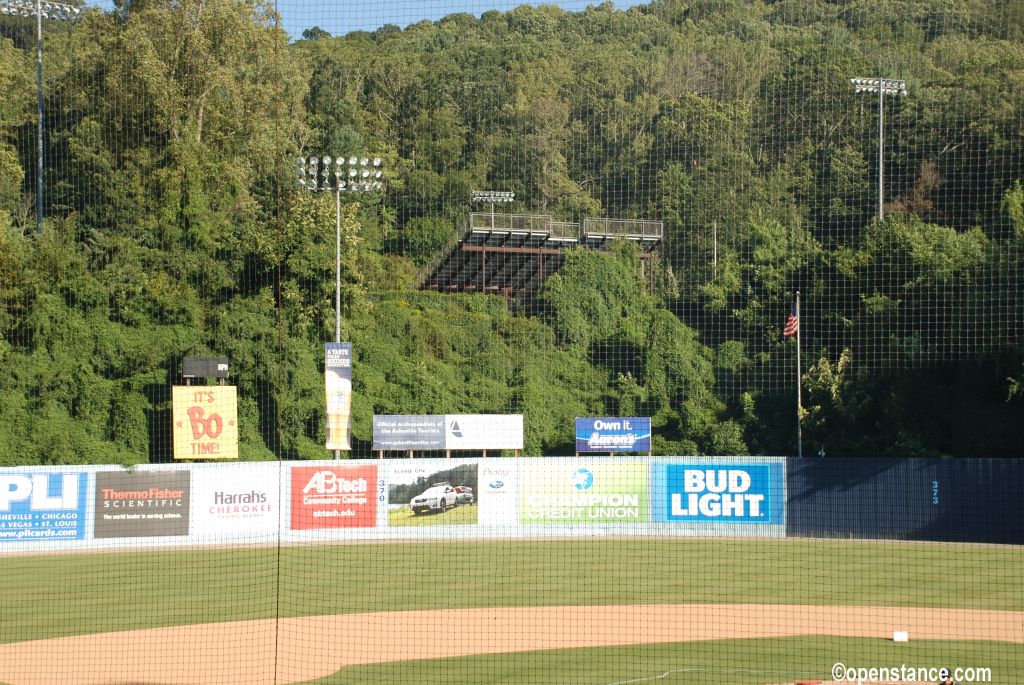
[175, 226]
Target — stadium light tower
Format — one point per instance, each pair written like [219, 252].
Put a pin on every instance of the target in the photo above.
[349, 174]
[493, 197]
[42, 10]
[883, 87]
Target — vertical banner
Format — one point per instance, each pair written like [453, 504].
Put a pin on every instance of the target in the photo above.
[333, 497]
[338, 381]
[205, 422]
[42, 506]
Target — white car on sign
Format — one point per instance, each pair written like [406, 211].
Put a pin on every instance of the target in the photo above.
[435, 498]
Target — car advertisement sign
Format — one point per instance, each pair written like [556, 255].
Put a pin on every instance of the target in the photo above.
[142, 503]
[432, 492]
[42, 506]
[408, 432]
[615, 434]
[230, 499]
[205, 422]
[573, 491]
[498, 499]
[338, 383]
[719, 492]
[333, 497]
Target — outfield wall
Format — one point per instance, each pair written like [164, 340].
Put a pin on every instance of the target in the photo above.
[956, 500]
[253, 503]
[99, 507]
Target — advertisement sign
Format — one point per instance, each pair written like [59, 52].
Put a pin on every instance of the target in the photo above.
[483, 432]
[448, 432]
[571, 491]
[42, 506]
[719, 492]
[205, 419]
[231, 499]
[333, 497]
[141, 503]
[338, 382]
[498, 494]
[615, 434]
[432, 492]
[408, 432]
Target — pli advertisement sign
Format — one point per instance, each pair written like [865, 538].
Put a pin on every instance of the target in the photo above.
[230, 499]
[42, 506]
[571, 491]
[333, 497]
[142, 503]
[719, 492]
[615, 434]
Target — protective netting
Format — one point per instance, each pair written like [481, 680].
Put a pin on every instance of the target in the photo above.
[750, 228]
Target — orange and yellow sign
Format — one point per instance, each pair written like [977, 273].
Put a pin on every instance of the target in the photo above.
[205, 422]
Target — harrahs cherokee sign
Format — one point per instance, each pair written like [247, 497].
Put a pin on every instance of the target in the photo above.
[205, 422]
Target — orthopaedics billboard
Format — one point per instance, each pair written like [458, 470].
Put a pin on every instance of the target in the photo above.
[448, 432]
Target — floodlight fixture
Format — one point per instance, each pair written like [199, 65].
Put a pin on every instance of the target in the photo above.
[41, 10]
[493, 196]
[883, 87]
[351, 174]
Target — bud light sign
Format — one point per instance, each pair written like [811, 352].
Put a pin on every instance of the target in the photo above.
[719, 493]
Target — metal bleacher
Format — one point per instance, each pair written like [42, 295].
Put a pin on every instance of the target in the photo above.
[513, 254]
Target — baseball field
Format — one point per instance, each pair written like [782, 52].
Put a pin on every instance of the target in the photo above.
[559, 611]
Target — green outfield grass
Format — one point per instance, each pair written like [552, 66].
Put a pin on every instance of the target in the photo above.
[67, 594]
[724, 662]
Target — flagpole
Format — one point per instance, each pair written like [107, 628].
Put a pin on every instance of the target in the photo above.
[799, 398]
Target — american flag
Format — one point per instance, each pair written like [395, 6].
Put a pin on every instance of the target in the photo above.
[792, 324]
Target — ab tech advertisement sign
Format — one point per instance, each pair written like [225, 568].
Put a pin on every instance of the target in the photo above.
[719, 492]
[333, 497]
[142, 503]
[230, 498]
[42, 506]
[574, 491]
[205, 421]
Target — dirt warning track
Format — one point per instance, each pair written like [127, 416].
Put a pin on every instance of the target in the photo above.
[290, 650]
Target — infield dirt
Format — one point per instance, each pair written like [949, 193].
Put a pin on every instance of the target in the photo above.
[291, 650]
